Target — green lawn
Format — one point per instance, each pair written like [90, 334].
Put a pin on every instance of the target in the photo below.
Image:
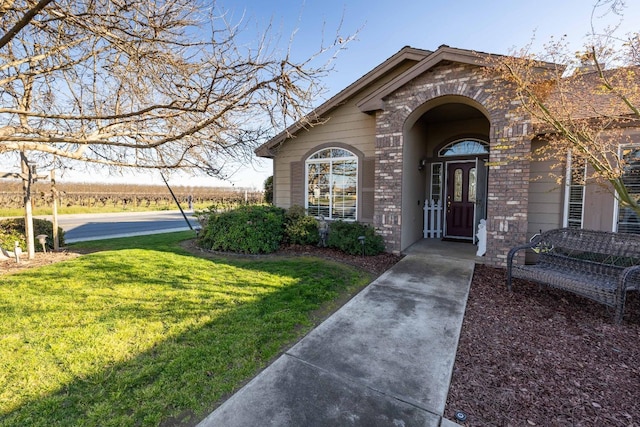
[143, 333]
[66, 210]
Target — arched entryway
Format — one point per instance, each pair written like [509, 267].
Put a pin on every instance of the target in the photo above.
[445, 175]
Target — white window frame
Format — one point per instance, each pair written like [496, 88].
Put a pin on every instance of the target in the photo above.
[441, 183]
[469, 147]
[568, 182]
[616, 202]
[331, 160]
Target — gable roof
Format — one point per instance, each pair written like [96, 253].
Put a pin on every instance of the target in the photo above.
[584, 95]
[444, 53]
[423, 61]
[405, 54]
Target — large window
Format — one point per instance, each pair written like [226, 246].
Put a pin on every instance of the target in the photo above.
[628, 221]
[332, 184]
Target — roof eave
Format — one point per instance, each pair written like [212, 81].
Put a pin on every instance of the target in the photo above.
[407, 53]
[374, 101]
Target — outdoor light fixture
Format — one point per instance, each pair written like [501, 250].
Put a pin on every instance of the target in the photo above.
[361, 239]
[42, 238]
[461, 416]
[421, 164]
[17, 251]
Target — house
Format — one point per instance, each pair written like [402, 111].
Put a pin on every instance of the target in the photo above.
[420, 130]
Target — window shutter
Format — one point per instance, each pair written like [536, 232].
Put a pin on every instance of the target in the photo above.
[367, 189]
[297, 183]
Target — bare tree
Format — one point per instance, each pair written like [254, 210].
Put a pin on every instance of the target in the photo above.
[155, 84]
[582, 102]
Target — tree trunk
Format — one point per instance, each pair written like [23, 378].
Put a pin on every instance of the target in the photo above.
[54, 194]
[27, 180]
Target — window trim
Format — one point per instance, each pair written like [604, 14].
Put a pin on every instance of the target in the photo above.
[568, 184]
[616, 202]
[440, 183]
[441, 151]
[309, 160]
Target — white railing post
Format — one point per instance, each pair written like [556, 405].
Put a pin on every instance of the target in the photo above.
[432, 219]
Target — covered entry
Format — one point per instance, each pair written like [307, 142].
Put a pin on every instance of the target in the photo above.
[446, 197]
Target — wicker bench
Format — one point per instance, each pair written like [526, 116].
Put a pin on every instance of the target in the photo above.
[598, 265]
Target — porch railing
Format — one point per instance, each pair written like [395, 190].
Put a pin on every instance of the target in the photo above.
[432, 219]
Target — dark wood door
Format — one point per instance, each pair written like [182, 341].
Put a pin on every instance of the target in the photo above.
[461, 195]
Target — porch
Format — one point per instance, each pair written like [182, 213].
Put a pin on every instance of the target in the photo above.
[463, 250]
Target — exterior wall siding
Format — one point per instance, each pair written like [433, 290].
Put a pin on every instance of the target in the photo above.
[546, 194]
[345, 124]
[347, 127]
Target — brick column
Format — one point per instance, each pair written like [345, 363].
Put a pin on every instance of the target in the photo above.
[508, 192]
[388, 188]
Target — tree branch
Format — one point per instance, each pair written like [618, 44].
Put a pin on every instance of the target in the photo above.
[23, 22]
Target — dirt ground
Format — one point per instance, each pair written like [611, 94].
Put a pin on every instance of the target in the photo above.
[8, 266]
[544, 357]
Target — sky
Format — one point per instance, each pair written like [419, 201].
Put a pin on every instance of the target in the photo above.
[383, 28]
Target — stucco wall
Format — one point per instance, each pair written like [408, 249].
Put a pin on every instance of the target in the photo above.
[443, 133]
[414, 187]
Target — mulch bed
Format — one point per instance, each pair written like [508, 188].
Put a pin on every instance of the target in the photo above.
[8, 266]
[544, 357]
[376, 264]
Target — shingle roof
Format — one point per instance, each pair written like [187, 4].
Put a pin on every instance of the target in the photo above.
[584, 95]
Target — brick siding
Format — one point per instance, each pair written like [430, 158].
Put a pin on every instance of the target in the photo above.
[508, 177]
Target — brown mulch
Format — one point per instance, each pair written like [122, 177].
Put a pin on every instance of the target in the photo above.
[544, 357]
[375, 264]
[8, 266]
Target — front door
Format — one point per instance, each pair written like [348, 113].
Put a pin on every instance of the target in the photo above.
[461, 197]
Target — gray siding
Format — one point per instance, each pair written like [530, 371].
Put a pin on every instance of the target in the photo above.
[546, 195]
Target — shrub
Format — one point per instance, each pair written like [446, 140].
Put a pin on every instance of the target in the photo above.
[12, 230]
[344, 236]
[247, 229]
[300, 229]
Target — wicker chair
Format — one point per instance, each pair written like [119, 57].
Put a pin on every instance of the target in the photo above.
[598, 265]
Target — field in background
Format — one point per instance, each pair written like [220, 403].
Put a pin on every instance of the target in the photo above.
[101, 198]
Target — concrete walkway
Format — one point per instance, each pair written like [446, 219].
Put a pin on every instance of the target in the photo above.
[384, 359]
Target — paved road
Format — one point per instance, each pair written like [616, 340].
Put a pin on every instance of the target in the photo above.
[82, 227]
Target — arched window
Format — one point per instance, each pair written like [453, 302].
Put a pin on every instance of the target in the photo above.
[332, 184]
[464, 147]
